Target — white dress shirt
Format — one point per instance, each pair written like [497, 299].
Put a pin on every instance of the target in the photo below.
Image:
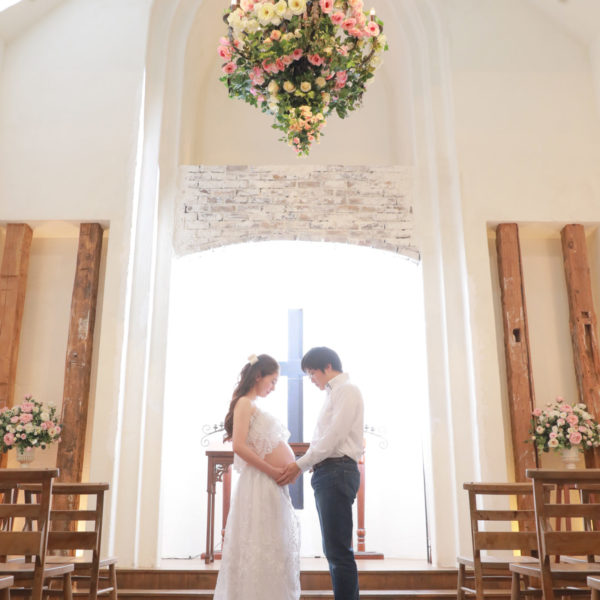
[339, 429]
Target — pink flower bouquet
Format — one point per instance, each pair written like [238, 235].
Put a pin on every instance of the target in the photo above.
[560, 425]
[28, 425]
[300, 60]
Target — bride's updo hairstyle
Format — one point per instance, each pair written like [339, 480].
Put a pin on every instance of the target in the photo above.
[256, 367]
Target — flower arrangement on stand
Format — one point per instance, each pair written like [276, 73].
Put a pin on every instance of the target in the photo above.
[28, 426]
[560, 426]
[300, 60]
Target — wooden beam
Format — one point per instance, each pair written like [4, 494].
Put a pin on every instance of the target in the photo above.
[519, 373]
[79, 353]
[583, 323]
[13, 282]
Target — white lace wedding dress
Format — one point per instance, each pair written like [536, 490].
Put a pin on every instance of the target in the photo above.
[261, 552]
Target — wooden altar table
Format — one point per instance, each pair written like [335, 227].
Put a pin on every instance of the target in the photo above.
[219, 469]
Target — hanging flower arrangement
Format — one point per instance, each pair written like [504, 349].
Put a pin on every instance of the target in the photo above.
[300, 60]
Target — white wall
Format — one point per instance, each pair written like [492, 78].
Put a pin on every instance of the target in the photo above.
[528, 144]
[70, 96]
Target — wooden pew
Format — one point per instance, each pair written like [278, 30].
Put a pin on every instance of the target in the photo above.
[563, 578]
[65, 535]
[488, 573]
[594, 585]
[31, 574]
[5, 584]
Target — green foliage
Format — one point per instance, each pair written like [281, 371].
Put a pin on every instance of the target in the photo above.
[301, 60]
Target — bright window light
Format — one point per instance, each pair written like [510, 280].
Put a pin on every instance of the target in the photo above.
[231, 302]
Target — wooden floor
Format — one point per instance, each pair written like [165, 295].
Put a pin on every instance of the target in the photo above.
[192, 579]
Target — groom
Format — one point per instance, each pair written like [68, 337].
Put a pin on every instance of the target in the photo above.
[334, 451]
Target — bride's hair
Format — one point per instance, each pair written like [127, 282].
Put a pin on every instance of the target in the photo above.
[258, 366]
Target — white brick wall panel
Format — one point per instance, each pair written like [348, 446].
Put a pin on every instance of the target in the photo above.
[219, 205]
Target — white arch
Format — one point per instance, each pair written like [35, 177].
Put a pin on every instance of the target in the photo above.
[133, 530]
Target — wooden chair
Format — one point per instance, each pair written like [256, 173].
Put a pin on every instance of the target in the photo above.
[66, 535]
[594, 585]
[489, 573]
[565, 578]
[30, 578]
[5, 584]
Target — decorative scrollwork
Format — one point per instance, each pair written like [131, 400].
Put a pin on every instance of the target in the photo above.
[220, 470]
[379, 433]
[209, 430]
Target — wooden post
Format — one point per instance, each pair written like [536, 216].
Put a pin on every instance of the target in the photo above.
[13, 282]
[516, 348]
[583, 324]
[79, 353]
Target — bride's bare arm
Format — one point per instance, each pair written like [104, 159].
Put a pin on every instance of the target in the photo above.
[241, 425]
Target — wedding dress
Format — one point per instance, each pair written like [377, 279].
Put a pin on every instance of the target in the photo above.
[261, 551]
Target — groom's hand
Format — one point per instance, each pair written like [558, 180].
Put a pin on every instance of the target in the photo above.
[290, 474]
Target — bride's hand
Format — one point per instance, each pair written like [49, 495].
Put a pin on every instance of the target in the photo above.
[276, 472]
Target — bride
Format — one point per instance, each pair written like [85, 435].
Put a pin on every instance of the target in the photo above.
[262, 542]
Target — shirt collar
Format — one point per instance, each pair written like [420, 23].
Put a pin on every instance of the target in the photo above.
[337, 380]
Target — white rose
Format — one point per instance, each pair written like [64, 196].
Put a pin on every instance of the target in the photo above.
[288, 86]
[305, 86]
[321, 81]
[273, 87]
[265, 12]
[252, 26]
[297, 6]
[281, 8]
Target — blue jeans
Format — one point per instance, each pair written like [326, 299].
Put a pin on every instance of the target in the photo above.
[335, 485]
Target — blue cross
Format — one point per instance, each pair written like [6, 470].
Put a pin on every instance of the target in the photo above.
[291, 369]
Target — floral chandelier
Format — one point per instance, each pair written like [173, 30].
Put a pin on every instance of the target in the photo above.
[300, 60]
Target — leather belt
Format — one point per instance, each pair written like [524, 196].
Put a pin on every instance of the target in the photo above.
[334, 459]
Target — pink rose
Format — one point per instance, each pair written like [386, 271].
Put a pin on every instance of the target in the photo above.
[537, 412]
[315, 59]
[337, 18]
[223, 41]
[326, 6]
[275, 35]
[23, 436]
[27, 407]
[224, 52]
[9, 439]
[229, 68]
[575, 437]
[349, 23]
[26, 418]
[355, 32]
[297, 53]
[288, 59]
[373, 28]
[572, 419]
[565, 408]
[280, 64]
[341, 77]
[14, 419]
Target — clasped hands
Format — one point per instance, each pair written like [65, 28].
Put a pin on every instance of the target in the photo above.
[290, 473]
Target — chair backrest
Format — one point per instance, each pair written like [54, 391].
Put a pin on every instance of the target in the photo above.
[553, 539]
[67, 515]
[33, 541]
[500, 533]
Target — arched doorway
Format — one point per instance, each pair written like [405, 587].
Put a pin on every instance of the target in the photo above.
[233, 301]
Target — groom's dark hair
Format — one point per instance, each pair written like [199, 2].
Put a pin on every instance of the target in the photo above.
[318, 359]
